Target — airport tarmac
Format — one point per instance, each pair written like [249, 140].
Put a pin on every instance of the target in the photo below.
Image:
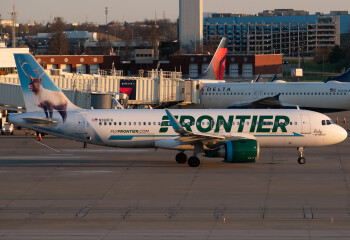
[55, 189]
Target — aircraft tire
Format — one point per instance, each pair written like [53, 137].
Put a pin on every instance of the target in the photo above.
[193, 161]
[181, 158]
[301, 160]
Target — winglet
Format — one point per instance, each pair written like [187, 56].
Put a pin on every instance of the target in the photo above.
[277, 97]
[258, 78]
[273, 78]
[174, 123]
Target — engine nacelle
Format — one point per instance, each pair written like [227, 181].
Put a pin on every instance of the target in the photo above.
[237, 151]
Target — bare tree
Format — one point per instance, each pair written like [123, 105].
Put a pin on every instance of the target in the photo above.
[59, 43]
[103, 47]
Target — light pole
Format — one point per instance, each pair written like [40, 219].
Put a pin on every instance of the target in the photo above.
[13, 25]
[0, 27]
[106, 12]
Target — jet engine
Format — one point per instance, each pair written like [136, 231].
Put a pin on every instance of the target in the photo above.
[237, 151]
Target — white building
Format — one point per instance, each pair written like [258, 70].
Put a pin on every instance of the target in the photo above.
[191, 24]
[7, 60]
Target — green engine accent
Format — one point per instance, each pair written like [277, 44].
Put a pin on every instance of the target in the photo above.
[242, 151]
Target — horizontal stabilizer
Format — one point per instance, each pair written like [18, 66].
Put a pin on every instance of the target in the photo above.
[42, 121]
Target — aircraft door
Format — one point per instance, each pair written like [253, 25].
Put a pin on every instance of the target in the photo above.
[305, 124]
[257, 94]
[81, 124]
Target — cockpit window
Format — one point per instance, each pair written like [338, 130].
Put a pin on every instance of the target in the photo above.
[327, 122]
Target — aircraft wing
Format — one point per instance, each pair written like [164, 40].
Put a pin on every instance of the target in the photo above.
[211, 140]
[268, 102]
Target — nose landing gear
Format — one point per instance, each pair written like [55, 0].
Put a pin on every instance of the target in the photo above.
[301, 159]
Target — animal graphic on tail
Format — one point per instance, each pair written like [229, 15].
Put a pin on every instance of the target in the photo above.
[46, 99]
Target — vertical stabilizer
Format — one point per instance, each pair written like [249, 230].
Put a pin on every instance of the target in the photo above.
[39, 91]
[216, 67]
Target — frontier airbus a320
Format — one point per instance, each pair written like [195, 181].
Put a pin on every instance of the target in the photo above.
[235, 135]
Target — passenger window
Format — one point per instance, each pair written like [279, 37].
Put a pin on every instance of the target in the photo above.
[120, 123]
[105, 123]
[115, 123]
[291, 123]
[110, 123]
[154, 123]
[129, 123]
[144, 123]
[134, 123]
[100, 123]
[296, 123]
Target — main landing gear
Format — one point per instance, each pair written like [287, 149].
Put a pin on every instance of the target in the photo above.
[181, 157]
[301, 159]
[193, 161]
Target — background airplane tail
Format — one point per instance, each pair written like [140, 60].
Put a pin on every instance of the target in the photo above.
[39, 91]
[216, 67]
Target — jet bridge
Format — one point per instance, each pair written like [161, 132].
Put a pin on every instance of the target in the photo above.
[159, 88]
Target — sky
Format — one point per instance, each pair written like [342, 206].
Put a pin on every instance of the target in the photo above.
[79, 11]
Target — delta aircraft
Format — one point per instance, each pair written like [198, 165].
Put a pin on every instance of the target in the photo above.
[321, 97]
[235, 135]
[330, 96]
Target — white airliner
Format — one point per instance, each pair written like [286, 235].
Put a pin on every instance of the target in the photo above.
[322, 97]
[330, 96]
[235, 135]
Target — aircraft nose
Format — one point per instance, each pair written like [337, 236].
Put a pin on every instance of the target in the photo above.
[342, 134]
